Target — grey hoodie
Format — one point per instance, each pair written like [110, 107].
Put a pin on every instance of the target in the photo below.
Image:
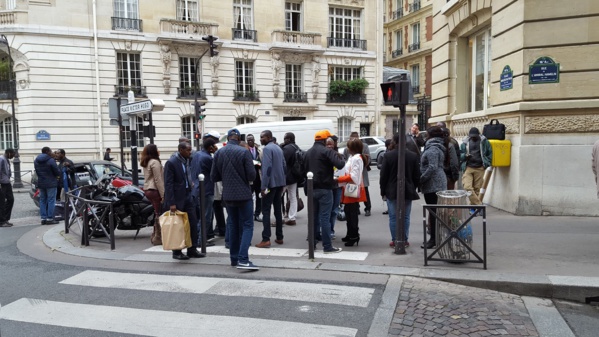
[433, 177]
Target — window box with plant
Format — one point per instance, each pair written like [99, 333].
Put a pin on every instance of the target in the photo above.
[341, 91]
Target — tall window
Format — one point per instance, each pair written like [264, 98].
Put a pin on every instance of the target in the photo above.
[293, 16]
[344, 126]
[480, 70]
[346, 73]
[6, 133]
[128, 70]
[187, 73]
[416, 78]
[242, 10]
[127, 9]
[416, 35]
[345, 23]
[11, 4]
[293, 78]
[244, 76]
[139, 133]
[398, 40]
[187, 10]
[188, 126]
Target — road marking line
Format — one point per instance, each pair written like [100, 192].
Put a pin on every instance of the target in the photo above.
[292, 291]
[157, 323]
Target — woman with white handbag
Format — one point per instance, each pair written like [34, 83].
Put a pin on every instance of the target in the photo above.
[353, 190]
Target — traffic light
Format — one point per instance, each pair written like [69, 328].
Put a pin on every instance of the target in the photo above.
[197, 136]
[396, 93]
[199, 109]
[210, 39]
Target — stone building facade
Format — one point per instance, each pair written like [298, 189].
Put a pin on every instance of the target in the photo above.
[530, 64]
[276, 61]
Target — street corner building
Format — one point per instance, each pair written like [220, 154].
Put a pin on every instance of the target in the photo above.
[275, 61]
[532, 65]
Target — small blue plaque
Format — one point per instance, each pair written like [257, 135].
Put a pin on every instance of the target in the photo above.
[507, 79]
[42, 135]
[544, 70]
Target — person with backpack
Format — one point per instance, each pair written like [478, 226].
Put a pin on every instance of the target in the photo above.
[293, 174]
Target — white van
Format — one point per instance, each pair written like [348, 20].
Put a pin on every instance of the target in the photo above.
[304, 131]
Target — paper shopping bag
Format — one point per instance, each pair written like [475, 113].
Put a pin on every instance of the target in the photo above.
[175, 230]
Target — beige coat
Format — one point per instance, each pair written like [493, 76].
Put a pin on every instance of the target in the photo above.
[154, 177]
[596, 164]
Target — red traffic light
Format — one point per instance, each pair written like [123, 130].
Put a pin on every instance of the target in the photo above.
[197, 136]
[396, 93]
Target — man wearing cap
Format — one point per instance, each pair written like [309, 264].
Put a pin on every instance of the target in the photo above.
[475, 157]
[273, 181]
[320, 160]
[213, 134]
[233, 165]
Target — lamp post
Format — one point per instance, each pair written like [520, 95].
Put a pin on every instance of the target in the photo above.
[13, 91]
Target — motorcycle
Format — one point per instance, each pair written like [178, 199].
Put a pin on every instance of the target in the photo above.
[131, 209]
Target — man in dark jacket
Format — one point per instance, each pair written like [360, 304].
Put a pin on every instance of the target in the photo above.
[7, 198]
[388, 184]
[233, 165]
[66, 168]
[201, 163]
[47, 181]
[320, 160]
[476, 154]
[177, 195]
[414, 140]
[289, 151]
[256, 153]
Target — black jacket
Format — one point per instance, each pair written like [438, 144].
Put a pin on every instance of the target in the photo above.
[70, 172]
[47, 171]
[320, 160]
[289, 155]
[414, 143]
[175, 189]
[388, 180]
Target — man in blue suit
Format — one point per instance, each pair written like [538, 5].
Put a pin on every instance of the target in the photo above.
[177, 195]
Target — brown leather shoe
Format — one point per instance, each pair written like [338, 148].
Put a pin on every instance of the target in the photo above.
[264, 244]
[279, 241]
[290, 222]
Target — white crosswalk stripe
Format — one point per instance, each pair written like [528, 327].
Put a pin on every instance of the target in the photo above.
[172, 323]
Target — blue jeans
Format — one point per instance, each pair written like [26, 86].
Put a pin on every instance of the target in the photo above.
[47, 203]
[393, 218]
[241, 229]
[208, 200]
[273, 198]
[335, 208]
[323, 202]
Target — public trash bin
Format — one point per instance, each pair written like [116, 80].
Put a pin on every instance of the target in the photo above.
[453, 217]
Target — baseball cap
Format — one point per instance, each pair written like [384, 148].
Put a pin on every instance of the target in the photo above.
[212, 133]
[233, 132]
[474, 132]
[322, 135]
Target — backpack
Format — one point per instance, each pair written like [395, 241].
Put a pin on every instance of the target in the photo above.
[297, 169]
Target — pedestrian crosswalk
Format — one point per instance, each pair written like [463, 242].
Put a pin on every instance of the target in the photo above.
[164, 322]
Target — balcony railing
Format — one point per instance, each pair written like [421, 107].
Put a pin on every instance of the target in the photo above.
[397, 14]
[346, 43]
[415, 6]
[296, 97]
[187, 28]
[347, 98]
[397, 53]
[289, 37]
[126, 24]
[416, 89]
[252, 96]
[414, 47]
[190, 93]
[138, 91]
[6, 92]
[244, 34]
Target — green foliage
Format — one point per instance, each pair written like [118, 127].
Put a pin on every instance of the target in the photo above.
[342, 88]
[4, 69]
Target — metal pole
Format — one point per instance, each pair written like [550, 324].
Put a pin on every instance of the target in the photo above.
[133, 128]
[118, 108]
[197, 108]
[202, 212]
[111, 226]
[85, 229]
[13, 92]
[151, 127]
[310, 183]
[400, 243]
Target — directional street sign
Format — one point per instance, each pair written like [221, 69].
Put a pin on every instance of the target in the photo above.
[137, 107]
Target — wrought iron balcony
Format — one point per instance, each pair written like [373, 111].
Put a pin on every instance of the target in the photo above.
[397, 53]
[252, 96]
[398, 14]
[122, 90]
[244, 34]
[415, 6]
[7, 91]
[297, 97]
[187, 28]
[414, 47]
[346, 43]
[190, 93]
[416, 89]
[126, 24]
[347, 98]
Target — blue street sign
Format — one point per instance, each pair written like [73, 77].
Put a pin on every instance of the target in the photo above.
[42, 135]
[544, 70]
[507, 79]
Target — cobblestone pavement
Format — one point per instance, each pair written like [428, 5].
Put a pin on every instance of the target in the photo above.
[24, 206]
[435, 308]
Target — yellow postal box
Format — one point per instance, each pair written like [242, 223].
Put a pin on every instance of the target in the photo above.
[502, 152]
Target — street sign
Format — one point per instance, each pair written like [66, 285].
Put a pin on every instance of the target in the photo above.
[137, 107]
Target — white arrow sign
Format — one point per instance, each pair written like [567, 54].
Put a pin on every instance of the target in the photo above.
[137, 107]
